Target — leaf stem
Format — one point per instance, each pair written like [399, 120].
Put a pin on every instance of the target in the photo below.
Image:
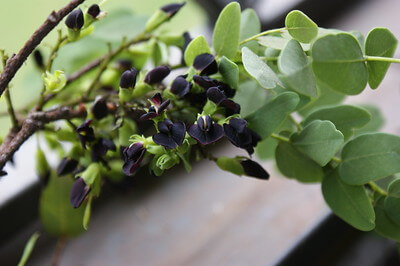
[336, 159]
[279, 30]
[298, 126]
[382, 59]
[279, 137]
[377, 189]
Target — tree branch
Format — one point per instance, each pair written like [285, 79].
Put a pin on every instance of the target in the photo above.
[34, 122]
[16, 61]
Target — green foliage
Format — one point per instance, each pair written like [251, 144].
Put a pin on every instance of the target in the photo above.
[292, 163]
[231, 165]
[227, 31]
[370, 157]
[56, 213]
[394, 188]
[259, 70]
[345, 117]
[250, 25]
[379, 42]
[28, 249]
[279, 42]
[350, 203]
[270, 116]
[229, 71]
[296, 69]
[250, 96]
[196, 47]
[384, 225]
[319, 140]
[301, 27]
[338, 63]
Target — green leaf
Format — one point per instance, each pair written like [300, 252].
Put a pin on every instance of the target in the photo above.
[266, 148]
[338, 63]
[376, 122]
[227, 31]
[319, 140]
[28, 249]
[351, 203]
[394, 188]
[56, 213]
[250, 25]
[370, 157]
[229, 72]
[196, 47]
[392, 207]
[278, 43]
[384, 225]
[259, 70]
[231, 165]
[379, 42]
[294, 164]
[300, 26]
[270, 116]
[296, 68]
[250, 96]
[345, 117]
[87, 214]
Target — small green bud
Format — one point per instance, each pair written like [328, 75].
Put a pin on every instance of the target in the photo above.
[91, 174]
[125, 95]
[141, 89]
[158, 18]
[155, 149]
[231, 165]
[109, 77]
[167, 161]
[54, 82]
[154, 168]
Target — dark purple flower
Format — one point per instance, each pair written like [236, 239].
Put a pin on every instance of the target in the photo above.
[207, 82]
[240, 135]
[79, 192]
[100, 148]
[132, 156]
[206, 64]
[157, 74]
[123, 64]
[66, 166]
[94, 10]
[206, 131]
[254, 169]
[99, 108]
[180, 86]
[216, 95]
[37, 55]
[85, 133]
[172, 9]
[171, 134]
[128, 79]
[75, 20]
[157, 108]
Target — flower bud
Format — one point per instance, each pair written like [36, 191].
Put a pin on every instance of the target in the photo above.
[206, 64]
[94, 10]
[99, 108]
[79, 192]
[54, 82]
[157, 74]
[128, 79]
[66, 166]
[37, 55]
[75, 20]
[167, 161]
[162, 15]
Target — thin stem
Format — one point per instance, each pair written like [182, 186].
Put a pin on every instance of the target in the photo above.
[262, 34]
[382, 59]
[336, 159]
[298, 126]
[10, 109]
[58, 251]
[377, 188]
[279, 137]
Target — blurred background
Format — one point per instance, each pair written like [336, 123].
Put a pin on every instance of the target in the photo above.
[205, 218]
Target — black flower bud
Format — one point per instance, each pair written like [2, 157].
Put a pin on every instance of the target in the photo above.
[75, 20]
[206, 131]
[171, 134]
[206, 64]
[66, 166]
[216, 95]
[128, 79]
[180, 86]
[254, 169]
[85, 133]
[157, 74]
[79, 192]
[99, 108]
[94, 10]
[37, 55]
[172, 9]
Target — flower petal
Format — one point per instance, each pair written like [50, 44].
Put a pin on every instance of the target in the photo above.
[75, 19]
[206, 64]
[79, 192]
[66, 166]
[216, 95]
[165, 140]
[172, 9]
[163, 106]
[156, 99]
[157, 74]
[178, 131]
[128, 79]
[148, 116]
[254, 169]
[180, 86]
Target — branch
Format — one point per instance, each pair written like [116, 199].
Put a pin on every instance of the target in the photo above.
[15, 62]
[34, 122]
